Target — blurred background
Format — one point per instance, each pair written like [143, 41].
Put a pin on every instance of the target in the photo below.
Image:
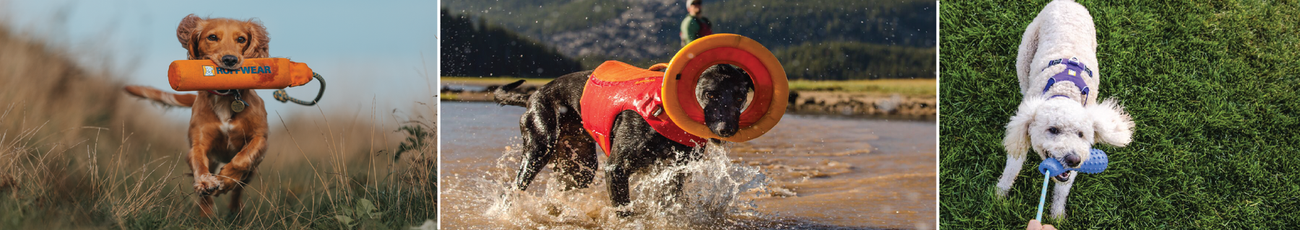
[370, 53]
[80, 153]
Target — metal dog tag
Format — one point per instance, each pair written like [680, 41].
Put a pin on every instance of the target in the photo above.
[237, 106]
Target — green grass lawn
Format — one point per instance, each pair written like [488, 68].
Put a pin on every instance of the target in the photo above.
[908, 87]
[1211, 86]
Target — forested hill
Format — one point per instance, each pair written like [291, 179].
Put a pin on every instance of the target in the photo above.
[482, 49]
[643, 29]
[835, 39]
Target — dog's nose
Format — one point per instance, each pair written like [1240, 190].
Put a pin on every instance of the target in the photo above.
[229, 60]
[1072, 160]
[724, 129]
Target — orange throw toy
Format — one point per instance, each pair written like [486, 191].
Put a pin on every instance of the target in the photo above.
[257, 73]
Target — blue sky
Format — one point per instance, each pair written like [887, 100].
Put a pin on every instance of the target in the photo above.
[366, 50]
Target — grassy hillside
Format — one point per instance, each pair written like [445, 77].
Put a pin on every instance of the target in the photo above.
[80, 153]
[1212, 88]
[855, 60]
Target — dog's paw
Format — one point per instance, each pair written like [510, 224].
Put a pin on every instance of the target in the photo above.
[1058, 214]
[1002, 192]
[231, 178]
[227, 184]
[206, 184]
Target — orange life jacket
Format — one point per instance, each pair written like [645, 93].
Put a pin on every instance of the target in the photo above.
[615, 87]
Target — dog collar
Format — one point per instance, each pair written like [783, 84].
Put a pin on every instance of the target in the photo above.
[224, 92]
[1072, 73]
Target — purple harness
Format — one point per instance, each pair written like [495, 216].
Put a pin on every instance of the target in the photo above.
[1072, 73]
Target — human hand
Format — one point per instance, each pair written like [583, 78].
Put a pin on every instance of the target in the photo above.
[1035, 225]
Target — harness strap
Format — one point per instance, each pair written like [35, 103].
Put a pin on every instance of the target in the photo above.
[1072, 73]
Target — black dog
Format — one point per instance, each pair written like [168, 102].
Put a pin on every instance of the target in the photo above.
[553, 132]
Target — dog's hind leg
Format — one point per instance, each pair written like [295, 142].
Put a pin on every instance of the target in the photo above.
[236, 196]
[1060, 194]
[575, 157]
[1025, 55]
[1009, 174]
[205, 205]
[539, 133]
[235, 200]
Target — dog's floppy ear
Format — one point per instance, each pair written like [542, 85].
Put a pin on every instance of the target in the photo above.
[258, 41]
[1112, 124]
[187, 32]
[1016, 141]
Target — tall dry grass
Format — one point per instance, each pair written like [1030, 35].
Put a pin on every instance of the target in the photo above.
[76, 152]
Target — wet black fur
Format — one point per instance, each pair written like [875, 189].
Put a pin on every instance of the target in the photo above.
[552, 131]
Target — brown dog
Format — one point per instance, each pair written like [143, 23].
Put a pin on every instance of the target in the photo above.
[220, 133]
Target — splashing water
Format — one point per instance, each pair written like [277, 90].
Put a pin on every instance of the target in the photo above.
[807, 173]
[714, 195]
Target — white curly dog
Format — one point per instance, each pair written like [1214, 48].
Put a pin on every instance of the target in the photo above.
[1059, 116]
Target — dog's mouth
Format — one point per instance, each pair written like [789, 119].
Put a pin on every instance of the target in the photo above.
[231, 68]
[1064, 177]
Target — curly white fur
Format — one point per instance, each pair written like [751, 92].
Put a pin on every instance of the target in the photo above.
[1060, 126]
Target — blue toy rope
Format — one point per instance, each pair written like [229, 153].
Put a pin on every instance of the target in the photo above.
[1042, 198]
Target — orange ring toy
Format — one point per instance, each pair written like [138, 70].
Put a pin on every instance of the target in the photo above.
[771, 89]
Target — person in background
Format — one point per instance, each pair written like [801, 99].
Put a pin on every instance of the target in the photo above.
[695, 25]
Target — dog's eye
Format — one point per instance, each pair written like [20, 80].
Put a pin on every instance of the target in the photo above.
[212, 37]
[1054, 130]
[239, 39]
[1080, 134]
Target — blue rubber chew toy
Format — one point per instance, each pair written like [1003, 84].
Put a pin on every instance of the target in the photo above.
[1096, 163]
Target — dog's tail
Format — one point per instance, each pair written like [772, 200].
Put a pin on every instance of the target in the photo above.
[170, 99]
[504, 96]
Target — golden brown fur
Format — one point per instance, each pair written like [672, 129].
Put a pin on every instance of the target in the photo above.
[217, 134]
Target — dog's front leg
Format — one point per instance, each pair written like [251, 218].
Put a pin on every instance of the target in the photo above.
[205, 184]
[685, 156]
[1060, 194]
[236, 173]
[629, 150]
[616, 179]
[1009, 174]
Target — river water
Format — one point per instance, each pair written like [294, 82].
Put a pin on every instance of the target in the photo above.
[807, 172]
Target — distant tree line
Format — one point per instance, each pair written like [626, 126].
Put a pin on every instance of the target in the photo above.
[537, 17]
[855, 60]
[472, 48]
[780, 23]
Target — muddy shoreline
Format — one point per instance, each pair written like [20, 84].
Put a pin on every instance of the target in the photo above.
[820, 102]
